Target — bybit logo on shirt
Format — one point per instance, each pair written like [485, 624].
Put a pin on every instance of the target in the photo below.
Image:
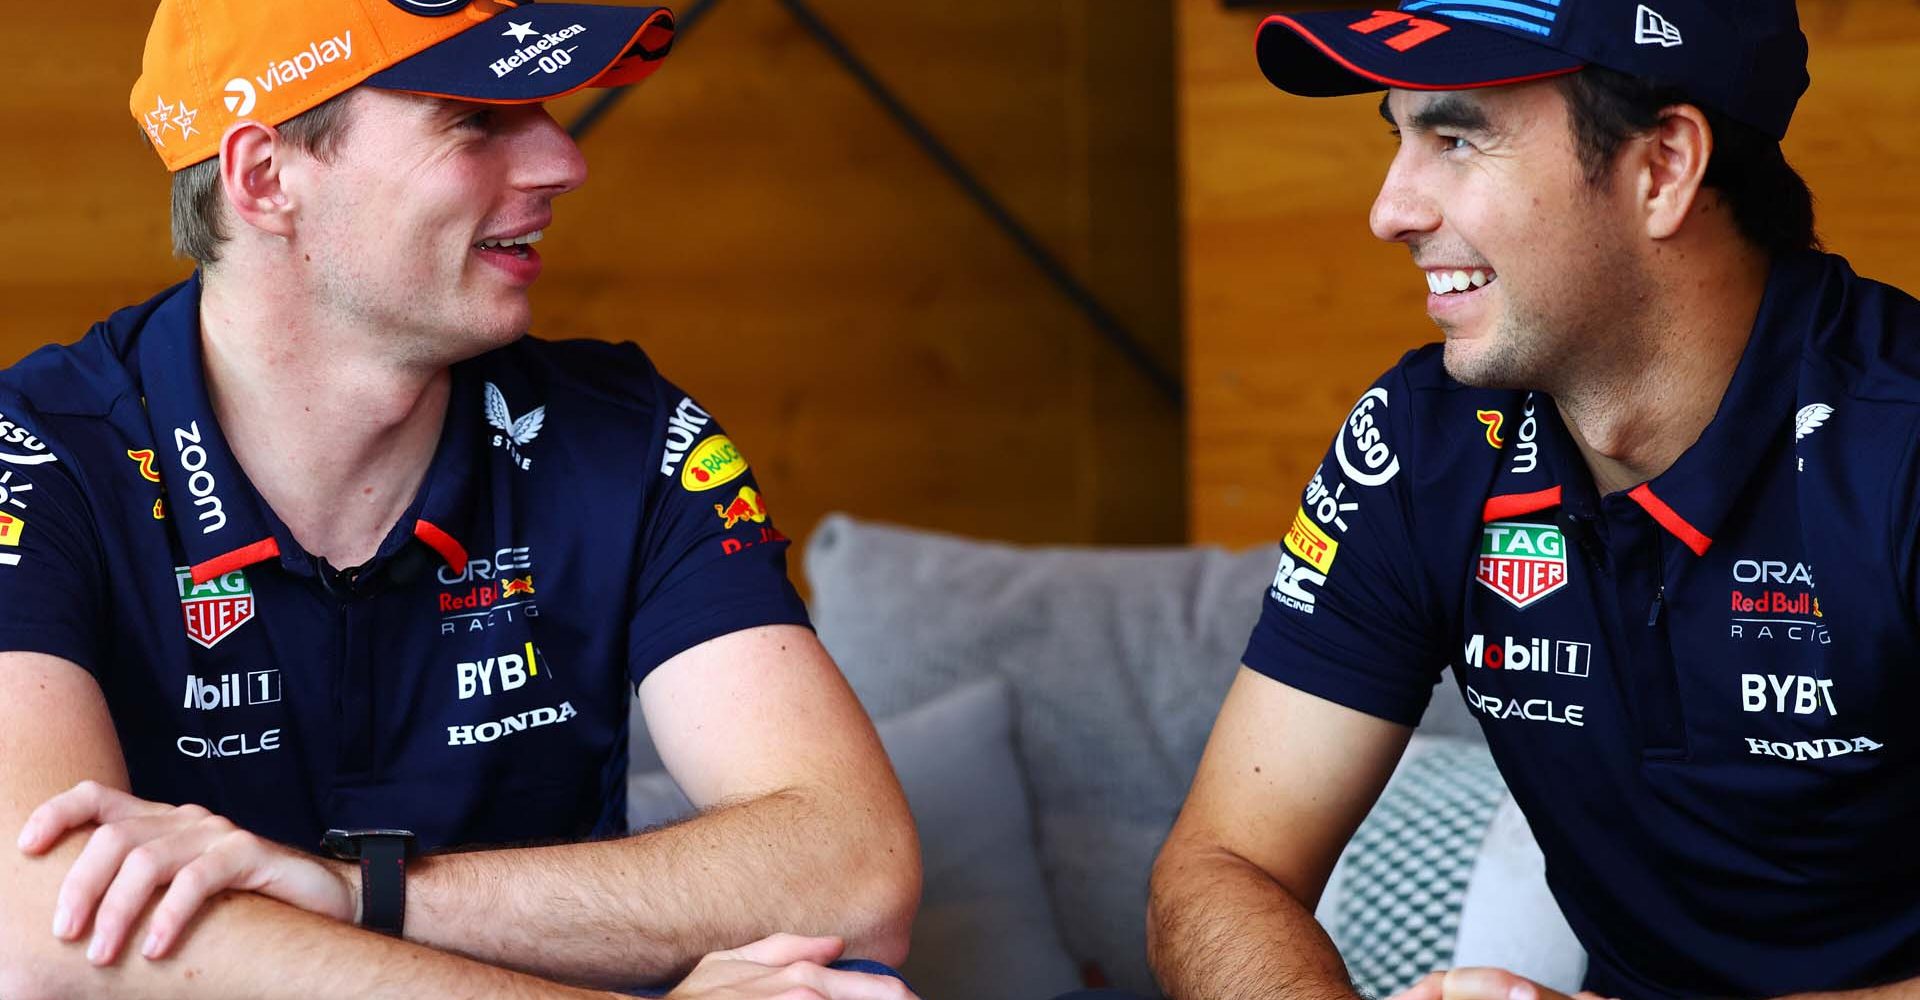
[506, 672]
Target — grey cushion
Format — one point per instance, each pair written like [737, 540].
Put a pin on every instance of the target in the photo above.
[1118, 659]
[986, 928]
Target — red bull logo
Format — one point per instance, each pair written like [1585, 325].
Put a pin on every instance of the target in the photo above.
[516, 586]
[745, 506]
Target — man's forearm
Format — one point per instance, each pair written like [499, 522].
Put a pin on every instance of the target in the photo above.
[1219, 928]
[644, 908]
[243, 946]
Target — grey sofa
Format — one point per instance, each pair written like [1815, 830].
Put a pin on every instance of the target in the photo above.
[1046, 708]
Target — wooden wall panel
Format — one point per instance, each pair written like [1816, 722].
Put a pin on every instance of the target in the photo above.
[1292, 308]
[781, 249]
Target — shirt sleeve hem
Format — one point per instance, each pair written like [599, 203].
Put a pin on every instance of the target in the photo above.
[1330, 682]
[40, 640]
[663, 646]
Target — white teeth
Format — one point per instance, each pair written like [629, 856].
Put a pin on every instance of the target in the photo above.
[1449, 282]
[517, 241]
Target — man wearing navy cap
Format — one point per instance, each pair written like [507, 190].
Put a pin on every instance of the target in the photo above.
[1653, 500]
[317, 548]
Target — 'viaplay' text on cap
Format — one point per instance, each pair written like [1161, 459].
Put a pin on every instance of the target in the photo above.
[209, 63]
[1745, 58]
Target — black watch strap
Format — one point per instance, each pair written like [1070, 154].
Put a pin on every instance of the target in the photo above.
[383, 882]
[382, 855]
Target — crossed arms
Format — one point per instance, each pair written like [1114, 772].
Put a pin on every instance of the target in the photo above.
[804, 830]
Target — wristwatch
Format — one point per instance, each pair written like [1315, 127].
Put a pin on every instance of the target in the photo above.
[383, 873]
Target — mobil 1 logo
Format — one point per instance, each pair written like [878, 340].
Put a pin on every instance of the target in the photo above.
[255, 687]
[1559, 656]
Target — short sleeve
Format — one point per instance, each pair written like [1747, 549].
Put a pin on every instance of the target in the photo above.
[51, 575]
[712, 562]
[1347, 616]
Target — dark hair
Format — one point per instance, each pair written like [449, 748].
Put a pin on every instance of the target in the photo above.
[1771, 204]
[198, 227]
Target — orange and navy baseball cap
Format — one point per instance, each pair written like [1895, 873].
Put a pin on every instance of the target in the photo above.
[1748, 58]
[210, 63]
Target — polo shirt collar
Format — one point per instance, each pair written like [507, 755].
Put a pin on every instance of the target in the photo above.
[1693, 497]
[223, 522]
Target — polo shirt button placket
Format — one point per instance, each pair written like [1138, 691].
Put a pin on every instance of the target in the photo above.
[355, 656]
[1650, 683]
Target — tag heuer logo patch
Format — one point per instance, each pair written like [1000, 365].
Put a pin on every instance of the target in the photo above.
[1522, 562]
[213, 610]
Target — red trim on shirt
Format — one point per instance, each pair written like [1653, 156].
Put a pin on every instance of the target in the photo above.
[1516, 504]
[240, 558]
[1643, 495]
[439, 541]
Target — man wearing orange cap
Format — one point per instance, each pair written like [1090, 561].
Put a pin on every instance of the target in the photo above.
[317, 548]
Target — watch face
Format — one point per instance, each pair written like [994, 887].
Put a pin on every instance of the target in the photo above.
[340, 844]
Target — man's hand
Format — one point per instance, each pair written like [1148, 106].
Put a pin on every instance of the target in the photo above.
[140, 846]
[1483, 984]
[784, 967]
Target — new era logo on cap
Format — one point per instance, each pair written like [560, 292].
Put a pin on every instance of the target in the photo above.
[1651, 29]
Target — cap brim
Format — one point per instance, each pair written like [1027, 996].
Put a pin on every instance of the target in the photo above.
[1324, 54]
[537, 52]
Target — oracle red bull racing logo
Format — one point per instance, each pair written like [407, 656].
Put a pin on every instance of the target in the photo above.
[487, 591]
[1522, 562]
[745, 506]
[215, 609]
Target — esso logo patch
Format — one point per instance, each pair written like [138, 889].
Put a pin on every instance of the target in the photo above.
[431, 8]
[1362, 448]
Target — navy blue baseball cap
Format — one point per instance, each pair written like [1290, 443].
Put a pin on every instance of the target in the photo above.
[1744, 58]
[546, 50]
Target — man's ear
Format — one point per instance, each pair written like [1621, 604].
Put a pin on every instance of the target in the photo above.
[252, 159]
[1671, 163]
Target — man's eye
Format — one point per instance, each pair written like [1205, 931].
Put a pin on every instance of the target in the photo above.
[1451, 143]
[481, 119]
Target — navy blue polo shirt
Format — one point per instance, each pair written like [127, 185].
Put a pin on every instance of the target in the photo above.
[1698, 689]
[582, 521]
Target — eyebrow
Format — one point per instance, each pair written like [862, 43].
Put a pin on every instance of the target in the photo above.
[1444, 111]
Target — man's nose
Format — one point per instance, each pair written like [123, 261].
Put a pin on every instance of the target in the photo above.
[550, 161]
[1401, 212]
